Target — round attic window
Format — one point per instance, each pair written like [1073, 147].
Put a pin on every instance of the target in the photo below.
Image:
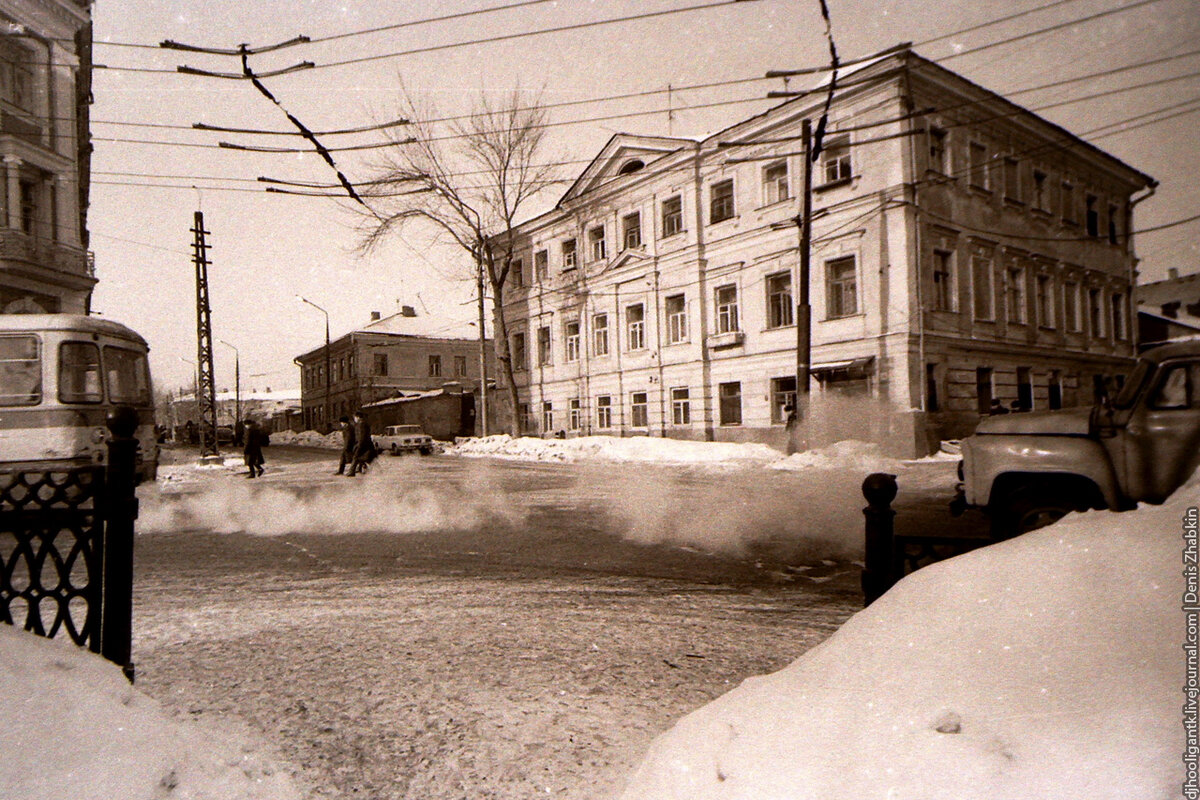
[631, 166]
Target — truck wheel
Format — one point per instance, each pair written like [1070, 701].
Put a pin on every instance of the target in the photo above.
[1029, 509]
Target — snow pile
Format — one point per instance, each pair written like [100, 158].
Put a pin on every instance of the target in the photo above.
[75, 728]
[332, 440]
[850, 454]
[645, 449]
[1046, 666]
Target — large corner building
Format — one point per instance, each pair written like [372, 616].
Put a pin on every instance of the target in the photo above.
[964, 251]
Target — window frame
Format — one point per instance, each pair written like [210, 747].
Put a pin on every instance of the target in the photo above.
[635, 329]
[600, 334]
[721, 201]
[571, 329]
[633, 232]
[729, 403]
[681, 405]
[835, 287]
[779, 301]
[569, 250]
[728, 317]
[776, 188]
[639, 410]
[597, 243]
[677, 321]
[545, 346]
[837, 165]
[604, 412]
[672, 216]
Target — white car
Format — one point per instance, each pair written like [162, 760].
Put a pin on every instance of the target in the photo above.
[397, 439]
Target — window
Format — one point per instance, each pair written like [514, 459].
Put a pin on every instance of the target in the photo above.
[637, 410]
[1068, 203]
[1045, 301]
[596, 240]
[568, 254]
[720, 201]
[435, 366]
[1095, 313]
[16, 75]
[937, 151]
[544, 352]
[1041, 191]
[525, 415]
[978, 165]
[631, 231]
[635, 327]
[517, 272]
[943, 280]
[931, 388]
[1178, 389]
[20, 371]
[79, 373]
[547, 416]
[681, 406]
[604, 412]
[1071, 306]
[783, 398]
[520, 358]
[779, 300]
[574, 414]
[1024, 388]
[983, 389]
[1054, 390]
[1015, 295]
[730, 399]
[460, 366]
[1113, 233]
[981, 288]
[1092, 216]
[727, 308]
[31, 211]
[571, 339]
[1012, 180]
[541, 265]
[677, 323]
[1118, 316]
[835, 159]
[842, 286]
[775, 183]
[672, 216]
[600, 334]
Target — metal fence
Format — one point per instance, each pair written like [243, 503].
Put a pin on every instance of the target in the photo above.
[66, 548]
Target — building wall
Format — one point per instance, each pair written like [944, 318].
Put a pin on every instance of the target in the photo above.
[43, 262]
[883, 329]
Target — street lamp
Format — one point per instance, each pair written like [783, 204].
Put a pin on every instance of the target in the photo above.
[237, 390]
[328, 415]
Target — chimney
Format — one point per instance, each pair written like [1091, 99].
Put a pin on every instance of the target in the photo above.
[375, 316]
[407, 311]
[1172, 273]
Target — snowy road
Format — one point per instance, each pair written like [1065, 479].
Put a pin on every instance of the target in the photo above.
[449, 627]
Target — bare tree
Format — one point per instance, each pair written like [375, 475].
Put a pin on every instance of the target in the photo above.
[468, 180]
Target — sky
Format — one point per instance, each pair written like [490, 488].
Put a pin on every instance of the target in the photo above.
[152, 171]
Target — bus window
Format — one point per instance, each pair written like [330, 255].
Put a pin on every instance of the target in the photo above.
[79, 373]
[128, 376]
[20, 371]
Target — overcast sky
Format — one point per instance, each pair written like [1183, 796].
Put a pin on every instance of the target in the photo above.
[268, 248]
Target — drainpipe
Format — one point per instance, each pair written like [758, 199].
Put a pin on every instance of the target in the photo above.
[1132, 260]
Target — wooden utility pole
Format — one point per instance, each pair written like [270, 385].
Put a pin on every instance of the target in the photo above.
[803, 309]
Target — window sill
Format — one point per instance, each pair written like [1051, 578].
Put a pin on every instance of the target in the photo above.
[667, 236]
[724, 220]
[1014, 202]
[1041, 213]
[844, 317]
[788, 326]
[720, 341]
[774, 203]
[831, 185]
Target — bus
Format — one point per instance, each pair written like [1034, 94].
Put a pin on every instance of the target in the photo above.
[60, 376]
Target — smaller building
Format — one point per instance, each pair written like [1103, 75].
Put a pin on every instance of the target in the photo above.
[1168, 310]
[390, 356]
[274, 410]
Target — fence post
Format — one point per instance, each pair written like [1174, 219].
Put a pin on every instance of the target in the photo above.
[879, 488]
[120, 510]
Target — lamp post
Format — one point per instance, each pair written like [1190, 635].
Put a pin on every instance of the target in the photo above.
[237, 390]
[327, 375]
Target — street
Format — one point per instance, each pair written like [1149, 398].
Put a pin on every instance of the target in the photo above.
[526, 629]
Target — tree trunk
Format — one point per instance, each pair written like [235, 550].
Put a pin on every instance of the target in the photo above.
[504, 360]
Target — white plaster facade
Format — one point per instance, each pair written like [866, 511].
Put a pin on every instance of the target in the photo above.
[676, 314]
[44, 265]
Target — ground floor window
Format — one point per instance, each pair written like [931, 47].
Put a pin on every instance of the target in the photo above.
[730, 396]
[983, 389]
[932, 402]
[525, 414]
[575, 414]
[1024, 389]
[547, 416]
[681, 406]
[604, 412]
[783, 398]
[1054, 387]
[637, 410]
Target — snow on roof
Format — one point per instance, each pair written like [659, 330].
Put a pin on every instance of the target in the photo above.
[427, 326]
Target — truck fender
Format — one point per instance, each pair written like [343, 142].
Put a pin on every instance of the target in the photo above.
[994, 456]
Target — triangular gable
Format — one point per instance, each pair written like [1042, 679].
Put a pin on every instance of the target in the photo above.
[621, 152]
[623, 258]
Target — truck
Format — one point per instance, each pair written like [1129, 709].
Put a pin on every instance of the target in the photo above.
[1027, 470]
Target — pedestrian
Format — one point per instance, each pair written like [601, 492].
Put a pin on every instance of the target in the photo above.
[364, 448]
[347, 444]
[256, 437]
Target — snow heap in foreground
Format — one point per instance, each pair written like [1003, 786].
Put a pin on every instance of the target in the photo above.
[1047, 666]
[73, 727]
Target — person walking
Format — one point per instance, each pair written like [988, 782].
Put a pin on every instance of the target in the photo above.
[347, 444]
[256, 437]
[364, 448]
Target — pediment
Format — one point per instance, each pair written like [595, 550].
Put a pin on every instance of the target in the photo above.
[624, 258]
[624, 154]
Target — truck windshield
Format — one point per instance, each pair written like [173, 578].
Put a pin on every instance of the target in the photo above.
[1129, 391]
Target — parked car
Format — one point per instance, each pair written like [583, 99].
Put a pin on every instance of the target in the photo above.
[398, 439]
[1028, 470]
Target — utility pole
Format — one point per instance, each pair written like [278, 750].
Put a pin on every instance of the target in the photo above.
[206, 394]
[483, 404]
[803, 309]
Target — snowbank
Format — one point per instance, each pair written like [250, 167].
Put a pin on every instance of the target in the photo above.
[332, 440]
[1046, 666]
[74, 728]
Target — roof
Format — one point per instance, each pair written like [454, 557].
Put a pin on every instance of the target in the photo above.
[66, 322]
[429, 327]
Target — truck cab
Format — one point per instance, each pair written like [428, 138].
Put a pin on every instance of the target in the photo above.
[1027, 470]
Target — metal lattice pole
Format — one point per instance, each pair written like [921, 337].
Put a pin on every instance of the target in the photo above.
[206, 393]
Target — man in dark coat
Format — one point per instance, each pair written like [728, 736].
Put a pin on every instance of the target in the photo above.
[256, 437]
[364, 448]
[347, 444]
